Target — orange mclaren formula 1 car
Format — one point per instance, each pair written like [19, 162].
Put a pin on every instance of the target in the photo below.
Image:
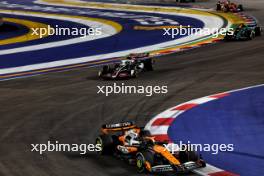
[135, 145]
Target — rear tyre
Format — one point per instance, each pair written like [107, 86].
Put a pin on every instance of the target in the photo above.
[100, 74]
[186, 156]
[240, 7]
[228, 37]
[134, 73]
[218, 7]
[104, 71]
[258, 31]
[107, 144]
[148, 64]
[106, 68]
[251, 35]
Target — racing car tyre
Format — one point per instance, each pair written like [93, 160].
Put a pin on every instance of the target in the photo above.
[186, 156]
[142, 158]
[258, 31]
[99, 73]
[218, 7]
[107, 144]
[105, 70]
[134, 74]
[251, 35]
[148, 64]
[240, 7]
[228, 37]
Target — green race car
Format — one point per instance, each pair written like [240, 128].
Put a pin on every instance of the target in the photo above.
[243, 32]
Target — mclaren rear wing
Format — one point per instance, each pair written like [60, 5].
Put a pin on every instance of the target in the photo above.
[106, 128]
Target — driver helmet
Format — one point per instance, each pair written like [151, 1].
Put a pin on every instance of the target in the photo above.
[132, 133]
[125, 62]
[132, 137]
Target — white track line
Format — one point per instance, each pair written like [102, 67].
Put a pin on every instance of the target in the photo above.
[107, 30]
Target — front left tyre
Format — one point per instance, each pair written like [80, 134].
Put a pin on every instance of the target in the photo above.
[144, 161]
[107, 144]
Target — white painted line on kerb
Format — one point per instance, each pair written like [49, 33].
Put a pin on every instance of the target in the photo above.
[107, 30]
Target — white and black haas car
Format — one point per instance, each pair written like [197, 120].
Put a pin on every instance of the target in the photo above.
[130, 67]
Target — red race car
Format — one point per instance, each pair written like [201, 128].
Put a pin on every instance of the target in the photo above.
[227, 6]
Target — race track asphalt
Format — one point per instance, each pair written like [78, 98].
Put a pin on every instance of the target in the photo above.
[65, 106]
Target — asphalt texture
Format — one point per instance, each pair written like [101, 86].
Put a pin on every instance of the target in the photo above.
[65, 106]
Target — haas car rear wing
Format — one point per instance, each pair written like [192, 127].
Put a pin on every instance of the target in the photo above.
[117, 127]
[139, 56]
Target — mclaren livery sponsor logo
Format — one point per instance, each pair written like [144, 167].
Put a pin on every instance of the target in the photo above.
[164, 168]
[118, 125]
